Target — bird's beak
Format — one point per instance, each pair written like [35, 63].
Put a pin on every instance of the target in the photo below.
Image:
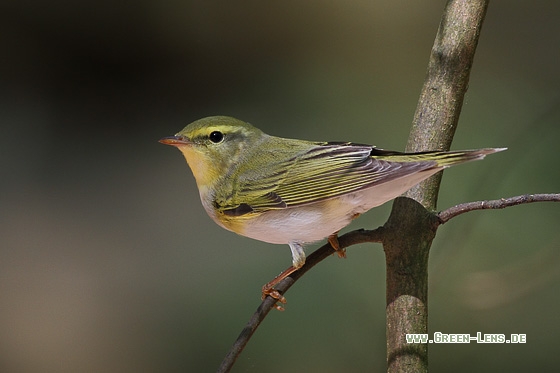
[175, 140]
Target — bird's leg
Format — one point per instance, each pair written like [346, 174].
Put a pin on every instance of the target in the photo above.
[333, 240]
[298, 260]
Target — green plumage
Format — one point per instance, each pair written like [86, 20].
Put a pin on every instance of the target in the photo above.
[301, 172]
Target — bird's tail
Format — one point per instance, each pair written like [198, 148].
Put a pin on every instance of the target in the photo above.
[442, 159]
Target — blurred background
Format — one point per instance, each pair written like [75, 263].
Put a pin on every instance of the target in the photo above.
[108, 261]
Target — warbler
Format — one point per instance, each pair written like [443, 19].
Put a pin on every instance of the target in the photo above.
[287, 191]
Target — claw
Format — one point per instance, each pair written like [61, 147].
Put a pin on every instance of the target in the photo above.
[268, 289]
[276, 295]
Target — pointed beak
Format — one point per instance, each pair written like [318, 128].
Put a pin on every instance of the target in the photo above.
[175, 140]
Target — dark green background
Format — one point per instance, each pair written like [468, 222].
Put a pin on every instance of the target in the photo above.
[108, 262]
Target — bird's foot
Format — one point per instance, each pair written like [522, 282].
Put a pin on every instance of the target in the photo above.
[333, 240]
[269, 290]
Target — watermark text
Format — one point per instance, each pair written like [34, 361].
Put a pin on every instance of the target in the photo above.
[466, 338]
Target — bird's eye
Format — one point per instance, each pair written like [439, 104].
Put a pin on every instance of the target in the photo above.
[216, 137]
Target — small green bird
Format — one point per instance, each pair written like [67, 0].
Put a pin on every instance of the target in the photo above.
[286, 191]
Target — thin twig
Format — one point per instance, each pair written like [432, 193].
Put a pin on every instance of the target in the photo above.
[348, 239]
[446, 215]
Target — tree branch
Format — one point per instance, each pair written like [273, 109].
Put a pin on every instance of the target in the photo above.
[448, 214]
[346, 240]
[447, 80]
[411, 226]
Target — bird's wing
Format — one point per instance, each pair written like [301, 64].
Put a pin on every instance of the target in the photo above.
[323, 171]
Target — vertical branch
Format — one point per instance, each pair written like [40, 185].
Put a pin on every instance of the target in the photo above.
[411, 227]
[446, 83]
[409, 233]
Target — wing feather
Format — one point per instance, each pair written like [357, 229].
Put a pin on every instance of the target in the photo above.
[324, 171]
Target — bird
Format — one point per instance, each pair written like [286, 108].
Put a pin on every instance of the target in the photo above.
[295, 192]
